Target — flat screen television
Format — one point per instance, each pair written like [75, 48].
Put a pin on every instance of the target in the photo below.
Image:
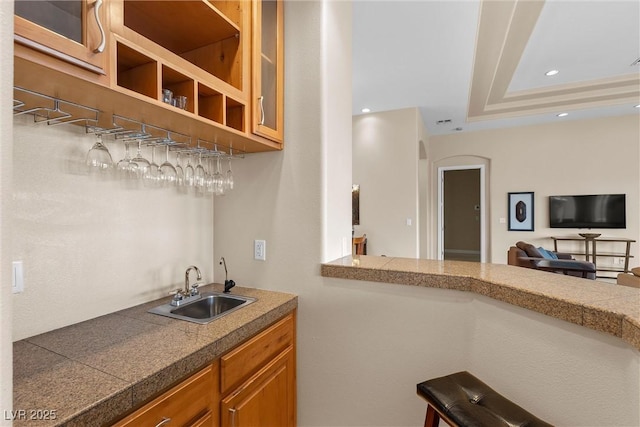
[588, 211]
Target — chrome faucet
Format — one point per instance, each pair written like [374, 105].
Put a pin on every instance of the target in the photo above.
[191, 290]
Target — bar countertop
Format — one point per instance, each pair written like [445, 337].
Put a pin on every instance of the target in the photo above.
[598, 305]
[94, 372]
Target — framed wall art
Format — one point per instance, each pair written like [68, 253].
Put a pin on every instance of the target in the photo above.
[521, 211]
[355, 204]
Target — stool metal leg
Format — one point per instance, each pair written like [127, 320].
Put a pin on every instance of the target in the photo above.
[432, 419]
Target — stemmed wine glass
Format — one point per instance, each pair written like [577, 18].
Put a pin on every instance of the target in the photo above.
[142, 164]
[218, 180]
[199, 173]
[179, 171]
[188, 173]
[210, 181]
[125, 167]
[153, 176]
[98, 158]
[229, 177]
[168, 173]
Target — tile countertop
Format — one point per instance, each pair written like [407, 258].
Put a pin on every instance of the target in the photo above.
[94, 372]
[601, 306]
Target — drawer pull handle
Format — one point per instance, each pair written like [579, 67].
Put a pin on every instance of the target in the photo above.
[103, 42]
[261, 99]
[164, 421]
[233, 417]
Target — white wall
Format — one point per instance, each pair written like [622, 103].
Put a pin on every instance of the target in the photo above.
[574, 157]
[385, 165]
[336, 116]
[91, 245]
[6, 306]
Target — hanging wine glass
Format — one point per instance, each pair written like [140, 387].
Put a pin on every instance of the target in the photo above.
[98, 158]
[210, 181]
[188, 172]
[229, 177]
[219, 180]
[154, 176]
[179, 171]
[142, 164]
[125, 167]
[168, 173]
[199, 174]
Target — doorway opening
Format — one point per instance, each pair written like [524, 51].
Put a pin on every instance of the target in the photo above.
[461, 213]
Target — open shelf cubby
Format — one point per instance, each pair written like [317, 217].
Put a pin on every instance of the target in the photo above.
[210, 104]
[137, 72]
[180, 85]
[235, 114]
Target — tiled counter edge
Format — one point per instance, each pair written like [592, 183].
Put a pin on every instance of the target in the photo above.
[604, 307]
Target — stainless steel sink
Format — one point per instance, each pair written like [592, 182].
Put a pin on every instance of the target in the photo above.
[208, 307]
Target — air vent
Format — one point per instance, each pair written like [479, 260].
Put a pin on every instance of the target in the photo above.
[442, 122]
[636, 62]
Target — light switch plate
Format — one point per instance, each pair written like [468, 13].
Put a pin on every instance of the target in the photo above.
[17, 277]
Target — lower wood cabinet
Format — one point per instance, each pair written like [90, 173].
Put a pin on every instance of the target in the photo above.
[266, 399]
[253, 385]
[190, 403]
[258, 380]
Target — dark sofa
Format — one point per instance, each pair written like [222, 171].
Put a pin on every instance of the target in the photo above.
[527, 255]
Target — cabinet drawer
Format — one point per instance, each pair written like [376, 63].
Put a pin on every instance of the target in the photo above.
[245, 360]
[183, 404]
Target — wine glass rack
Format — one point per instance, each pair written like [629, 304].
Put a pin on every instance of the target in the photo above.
[54, 111]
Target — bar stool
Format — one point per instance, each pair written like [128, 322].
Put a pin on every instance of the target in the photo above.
[360, 245]
[462, 400]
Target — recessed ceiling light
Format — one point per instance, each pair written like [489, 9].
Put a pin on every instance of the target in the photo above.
[637, 106]
[563, 114]
[551, 73]
[366, 110]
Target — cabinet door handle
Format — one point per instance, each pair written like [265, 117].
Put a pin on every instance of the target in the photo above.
[261, 99]
[164, 421]
[233, 417]
[96, 13]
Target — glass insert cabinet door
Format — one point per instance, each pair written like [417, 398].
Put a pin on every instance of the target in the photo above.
[70, 30]
[268, 73]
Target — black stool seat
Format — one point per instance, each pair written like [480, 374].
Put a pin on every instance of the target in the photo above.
[463, 400]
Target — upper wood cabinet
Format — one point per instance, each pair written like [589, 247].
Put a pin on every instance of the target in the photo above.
[74, 31]
[268, 69]
[199, 49]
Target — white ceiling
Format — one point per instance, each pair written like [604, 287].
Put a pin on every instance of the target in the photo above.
[482, 64]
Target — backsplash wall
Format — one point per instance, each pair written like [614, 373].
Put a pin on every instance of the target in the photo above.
[93, 245]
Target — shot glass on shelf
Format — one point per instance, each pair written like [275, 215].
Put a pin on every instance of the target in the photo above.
[167, 96]
[180, 102]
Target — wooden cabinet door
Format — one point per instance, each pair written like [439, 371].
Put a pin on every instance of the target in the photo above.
[265, 400]
[73, 31]
[191, 403]
[268, 69]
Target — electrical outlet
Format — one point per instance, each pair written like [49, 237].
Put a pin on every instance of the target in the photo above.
[260, 250]
[17, 277]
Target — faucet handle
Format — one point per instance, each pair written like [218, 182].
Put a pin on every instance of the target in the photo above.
[177, 294]
[194, 289]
